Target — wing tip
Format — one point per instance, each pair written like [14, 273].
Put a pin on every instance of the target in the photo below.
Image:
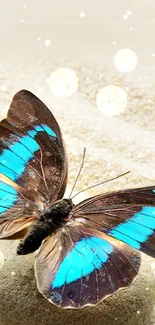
[23, 93]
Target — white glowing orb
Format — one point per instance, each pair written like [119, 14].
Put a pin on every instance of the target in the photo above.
[125, 60]
[82, 14]
[47, 42]
[111, 100]
[63, 82]
[3, 87]
[125, 17]
[1, 259]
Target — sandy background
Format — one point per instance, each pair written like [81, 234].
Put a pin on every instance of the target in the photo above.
[114, 144]
[87, 45]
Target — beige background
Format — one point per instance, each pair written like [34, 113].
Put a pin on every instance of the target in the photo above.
[60, 22]
[114, 145]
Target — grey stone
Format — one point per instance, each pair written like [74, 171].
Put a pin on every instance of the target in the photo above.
[21, 303]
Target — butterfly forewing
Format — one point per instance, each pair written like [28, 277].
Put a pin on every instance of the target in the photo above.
[33, 161]
[128, 216]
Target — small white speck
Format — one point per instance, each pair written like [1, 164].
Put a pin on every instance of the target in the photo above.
[27, 205]
[138, 312]
[1, 259]
[114, 42]
[60, 248]
[131, 28]
[3, 88]
[100, 75]
[125, 17]
[153, 266]
[24, 6]
[47, 42]
[39, 39]
[115, 318]
[150, 101]
[147, 289]
[153, 55]
[82, 14]
[13, 273]
[139, 155]
[128, 12]
[22, 20]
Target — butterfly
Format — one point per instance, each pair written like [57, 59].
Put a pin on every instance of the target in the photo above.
[84, 252]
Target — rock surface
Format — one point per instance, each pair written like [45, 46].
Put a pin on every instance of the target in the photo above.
[21, 303]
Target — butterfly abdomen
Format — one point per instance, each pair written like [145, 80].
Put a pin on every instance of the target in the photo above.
[33, 239]
[46, 224]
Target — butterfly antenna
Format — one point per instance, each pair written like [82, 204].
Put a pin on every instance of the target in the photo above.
[109, 180]
[83, 158]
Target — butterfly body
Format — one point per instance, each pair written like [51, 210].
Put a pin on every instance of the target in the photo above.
[48, 223]
[86, 251]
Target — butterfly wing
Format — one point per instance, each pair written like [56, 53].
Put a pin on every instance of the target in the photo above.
[16, 213]
[128, 216]
[79, 266]
[33, 162]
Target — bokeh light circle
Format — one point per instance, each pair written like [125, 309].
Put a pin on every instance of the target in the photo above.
[111, 100]
[63, 82]
[125, 60]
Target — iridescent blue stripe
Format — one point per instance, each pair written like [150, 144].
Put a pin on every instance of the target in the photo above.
[87, 255]
[136, 230]
[12, 165]
[8, 197]
[13, 162]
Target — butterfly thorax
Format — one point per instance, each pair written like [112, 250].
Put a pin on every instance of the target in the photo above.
[47, 223]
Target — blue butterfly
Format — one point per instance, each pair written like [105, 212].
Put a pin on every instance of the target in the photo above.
[86, 251]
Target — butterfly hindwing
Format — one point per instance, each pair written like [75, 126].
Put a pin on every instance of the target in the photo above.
[33, 161]
[78, 267]
[128, 216]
